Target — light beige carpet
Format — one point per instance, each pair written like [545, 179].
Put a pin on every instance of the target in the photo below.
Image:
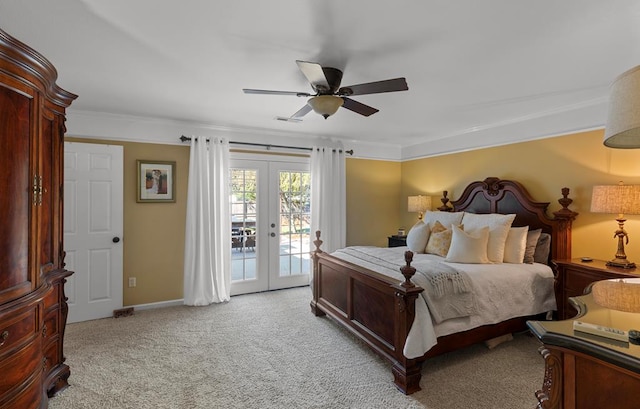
[268, 351]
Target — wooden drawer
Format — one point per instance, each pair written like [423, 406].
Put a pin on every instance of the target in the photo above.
[19, 367]
[51, 299]
[51, 356]
[51, 326]
[577, 280]
[17, 328]
[29, 396]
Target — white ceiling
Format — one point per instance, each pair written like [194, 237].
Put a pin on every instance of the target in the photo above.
[480, 73]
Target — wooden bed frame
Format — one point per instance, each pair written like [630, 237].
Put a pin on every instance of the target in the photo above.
[380, 311]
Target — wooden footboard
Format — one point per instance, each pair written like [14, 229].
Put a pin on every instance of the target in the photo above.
[377, 309]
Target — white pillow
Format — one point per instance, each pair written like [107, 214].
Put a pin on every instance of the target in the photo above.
[516, 245]
[418, 237]
[468, 247]
[498, 224]
[445, 218]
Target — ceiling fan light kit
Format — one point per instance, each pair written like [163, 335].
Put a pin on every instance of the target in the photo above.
[325, 105]
[329, 96]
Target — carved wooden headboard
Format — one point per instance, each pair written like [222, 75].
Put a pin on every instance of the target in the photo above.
[494, 195]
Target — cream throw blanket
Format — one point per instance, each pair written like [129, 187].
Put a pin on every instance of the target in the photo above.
[447, 291]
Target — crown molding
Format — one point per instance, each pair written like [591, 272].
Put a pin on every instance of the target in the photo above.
[582, 116]
[129, 128]
[586, 115]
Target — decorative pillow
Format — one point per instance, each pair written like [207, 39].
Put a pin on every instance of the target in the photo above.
[532, 241]
[418, 237]
[516, 245]
[439, 240]
[445, 218]
[499, 225]
[541, 255]
[468, 247]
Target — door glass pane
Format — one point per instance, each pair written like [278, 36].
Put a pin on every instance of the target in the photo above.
[295, 220]
[244, 208]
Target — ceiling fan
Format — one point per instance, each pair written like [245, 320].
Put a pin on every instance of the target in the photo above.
[329, 96]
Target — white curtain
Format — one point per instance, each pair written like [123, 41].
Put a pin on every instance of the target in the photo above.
[207, 255]
[328, 197]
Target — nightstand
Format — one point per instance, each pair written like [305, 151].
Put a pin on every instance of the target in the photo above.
[573, 276]
[397, 241]
[584, 371]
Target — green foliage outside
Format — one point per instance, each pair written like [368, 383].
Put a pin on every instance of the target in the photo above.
[294, 190]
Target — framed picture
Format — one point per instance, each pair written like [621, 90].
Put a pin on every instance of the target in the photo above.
[156, 181]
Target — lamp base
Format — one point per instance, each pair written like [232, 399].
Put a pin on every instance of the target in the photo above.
[621, 263]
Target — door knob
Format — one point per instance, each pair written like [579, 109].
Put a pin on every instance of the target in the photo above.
[273, 234]
[273, 225]
[116, 239]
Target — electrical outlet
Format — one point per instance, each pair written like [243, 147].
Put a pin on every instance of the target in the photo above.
[132, 281]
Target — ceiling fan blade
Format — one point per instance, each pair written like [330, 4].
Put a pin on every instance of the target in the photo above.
[314, 73]
[297, 117]
[396, 84]
[302, 111]
[287, 119]
[269, 92]
[358, 107]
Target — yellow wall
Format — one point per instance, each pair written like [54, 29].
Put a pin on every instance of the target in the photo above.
[544, 167]
[373, 200]
[153, 236]
[376, 199]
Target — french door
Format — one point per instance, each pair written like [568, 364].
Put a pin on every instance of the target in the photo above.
[270, 221]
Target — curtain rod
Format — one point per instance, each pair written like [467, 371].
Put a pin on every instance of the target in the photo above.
[266, 145]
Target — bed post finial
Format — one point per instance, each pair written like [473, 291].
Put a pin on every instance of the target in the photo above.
[408, 271]
[565, 218]
[565, 201]
[565, 213]
[317, 242]
[445, 202]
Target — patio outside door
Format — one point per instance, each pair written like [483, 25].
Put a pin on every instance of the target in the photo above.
[270, 217]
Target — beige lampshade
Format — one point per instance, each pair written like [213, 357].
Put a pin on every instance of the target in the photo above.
[623, 119]
[325, 105]
[616, 199]
[619, 294]
[419, 204]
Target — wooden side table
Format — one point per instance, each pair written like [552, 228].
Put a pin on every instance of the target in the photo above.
[397, 241]
[573, 276]
[585, 371]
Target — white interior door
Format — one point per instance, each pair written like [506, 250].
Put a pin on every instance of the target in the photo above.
[270, 246]
[93, 226]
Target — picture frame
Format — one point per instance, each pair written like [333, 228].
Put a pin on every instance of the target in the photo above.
[156, 181]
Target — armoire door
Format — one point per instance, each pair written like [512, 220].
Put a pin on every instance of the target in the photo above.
[17, 269]
[47, 184]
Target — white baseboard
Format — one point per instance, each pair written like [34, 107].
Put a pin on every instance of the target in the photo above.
[160, 304]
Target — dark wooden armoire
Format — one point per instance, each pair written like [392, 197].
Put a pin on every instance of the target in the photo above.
[33, 308]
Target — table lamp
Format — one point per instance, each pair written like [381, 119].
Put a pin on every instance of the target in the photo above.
[419, 204]
[617, 199]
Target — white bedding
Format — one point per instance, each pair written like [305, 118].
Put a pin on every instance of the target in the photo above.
[502, 291]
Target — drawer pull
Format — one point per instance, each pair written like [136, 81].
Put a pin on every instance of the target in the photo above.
[3, 337]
